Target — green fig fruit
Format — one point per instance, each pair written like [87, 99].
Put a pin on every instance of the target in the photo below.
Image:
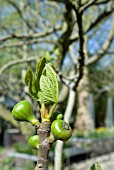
[96, 166]
[22, 111]
[57, 115]
[61, 130]
[34, 141]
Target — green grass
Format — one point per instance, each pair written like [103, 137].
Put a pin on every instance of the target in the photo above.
[101, 132]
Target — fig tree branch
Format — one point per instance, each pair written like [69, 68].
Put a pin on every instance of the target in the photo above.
[81, 60]
[102, 17]
[64, 40]
[69, 81]
[20, 12]
[103, 50]
[29, 42]
[31, 35]
[86, 5]
[15, 62]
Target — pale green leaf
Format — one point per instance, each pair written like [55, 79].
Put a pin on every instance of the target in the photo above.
[29, 80]
[39, 68]
[33, 81]
[50, 73]
[48, 86]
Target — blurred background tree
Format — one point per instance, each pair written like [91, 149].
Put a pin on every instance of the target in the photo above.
[77, 37]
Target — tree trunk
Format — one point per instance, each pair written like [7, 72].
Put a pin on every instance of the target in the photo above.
[83, 119]
[109, 113]
[2, 131]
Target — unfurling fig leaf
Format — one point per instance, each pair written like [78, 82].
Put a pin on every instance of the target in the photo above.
[32, 80]
[43, 86]
[48, 93]
[29, 80]
[22, 111]
[34, 141]
[61, 130]
[39, 68]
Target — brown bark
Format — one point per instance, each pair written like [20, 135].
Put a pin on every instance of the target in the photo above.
[83, 120]
[44, 146]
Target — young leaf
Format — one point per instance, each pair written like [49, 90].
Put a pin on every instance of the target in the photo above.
[48, 86]
[46, 94]
[29, 80]
[33, 82]
[39, 68]
[50, 73]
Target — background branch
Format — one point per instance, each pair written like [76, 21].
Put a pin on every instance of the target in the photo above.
[12, 63]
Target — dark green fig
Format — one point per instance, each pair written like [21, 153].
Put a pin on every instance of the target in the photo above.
[34, 141]
[61, 130]
[57, 115]
[96, 166]
[22, 111]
